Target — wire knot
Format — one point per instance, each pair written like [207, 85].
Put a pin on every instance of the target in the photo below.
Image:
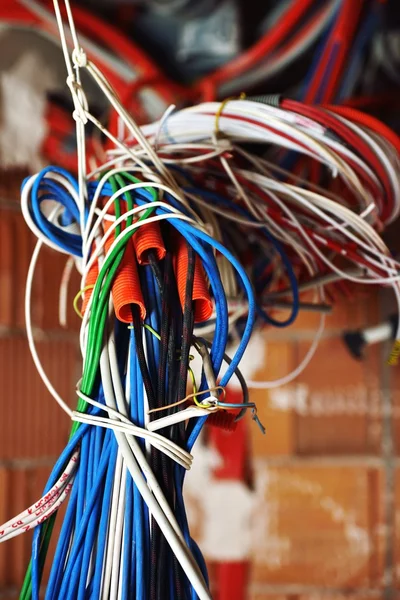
[79, 57]
[79, 99]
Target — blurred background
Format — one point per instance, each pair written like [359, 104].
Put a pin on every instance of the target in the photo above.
[310, 509]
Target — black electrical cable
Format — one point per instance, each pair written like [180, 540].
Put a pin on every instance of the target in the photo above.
[158, 557]
[137, 327]
[176, 333]
[156, 268]
[178, 432]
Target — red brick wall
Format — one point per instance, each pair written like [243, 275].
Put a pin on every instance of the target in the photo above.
[33, 428]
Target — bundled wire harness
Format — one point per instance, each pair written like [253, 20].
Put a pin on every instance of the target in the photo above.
[193, 231]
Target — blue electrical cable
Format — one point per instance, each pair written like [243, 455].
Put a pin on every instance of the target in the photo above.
[103, 525]
[41, 184]
[54, 476]
[139, 543]
[71, 575]
[62, 548]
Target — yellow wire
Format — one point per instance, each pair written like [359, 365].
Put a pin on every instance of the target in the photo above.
[153, 331]
[78, 296]
[189, 397]
[193, 378]
[221, 108]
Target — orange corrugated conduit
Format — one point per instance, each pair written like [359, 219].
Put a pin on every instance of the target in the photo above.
[148, 238]
[203, 307]
[126, 289]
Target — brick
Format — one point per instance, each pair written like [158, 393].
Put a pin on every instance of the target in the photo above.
[14, 553]
[52, 267]
[279, 420]
[393, 376]
[10, 183]
[314, 526]
[3, 518]
[33, 423]
[50, 271]
[16, 245]
[25, 243]
[335, 596]
[396, 532]
[337, 396]
[266, 596]
[8, 595]
[7, 259]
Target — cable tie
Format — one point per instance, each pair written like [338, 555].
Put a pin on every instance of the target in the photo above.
[78, 296]
[220, 109]
[186, 398]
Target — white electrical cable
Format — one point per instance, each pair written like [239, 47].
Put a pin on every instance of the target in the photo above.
[164, 516]
[29, 327]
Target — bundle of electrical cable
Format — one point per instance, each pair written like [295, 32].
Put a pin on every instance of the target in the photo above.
[192, 231]
[149, 272]
[125, 532]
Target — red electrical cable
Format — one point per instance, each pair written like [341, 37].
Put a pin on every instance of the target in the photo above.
[259, 51]
[374, 101]
[358, 144]
[370, 182]
[297, 37]
[330, 67]
[367, 121]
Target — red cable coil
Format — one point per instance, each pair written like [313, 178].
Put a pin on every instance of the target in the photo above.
[349, 136]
